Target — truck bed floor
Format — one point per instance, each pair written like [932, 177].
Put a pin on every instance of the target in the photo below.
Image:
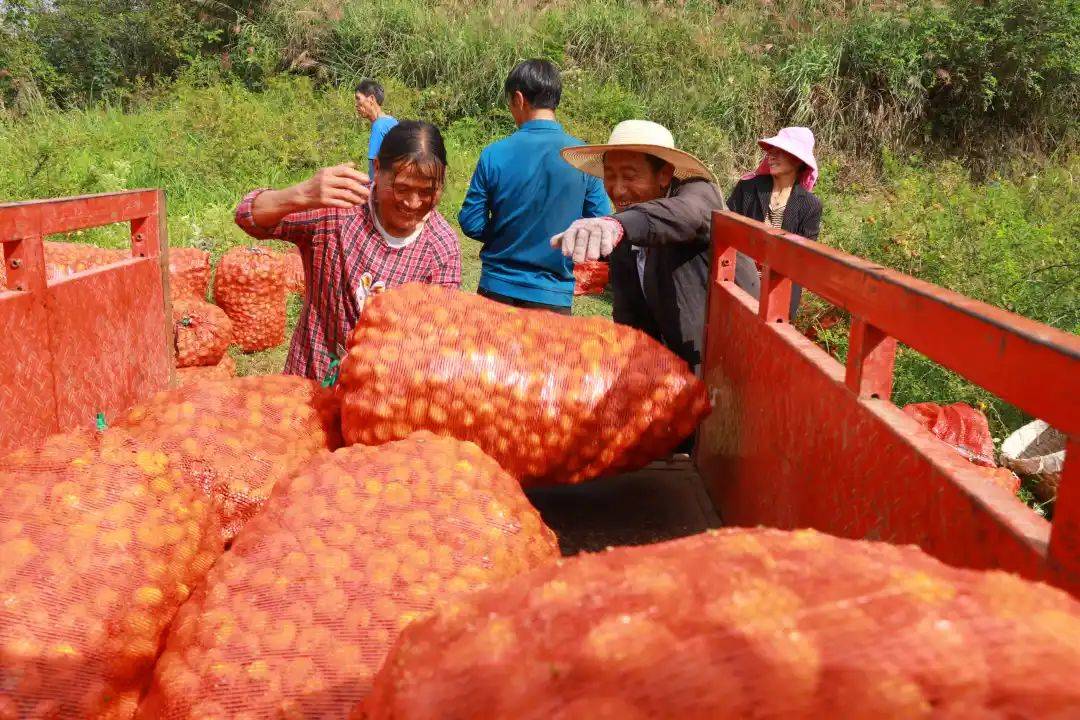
[661, 502]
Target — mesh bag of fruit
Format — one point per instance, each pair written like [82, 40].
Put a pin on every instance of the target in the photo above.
[202, 332]
[234, 440]
[224, 370]
[553, 399]
[189, 272]
[741, 624]
[101, 541]
[294, 271]
[66, 258]
[296, 618]
[250, 287]
[590, 277]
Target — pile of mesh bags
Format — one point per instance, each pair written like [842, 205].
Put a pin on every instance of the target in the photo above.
[249, 286]
[739, 624]
[296, 618]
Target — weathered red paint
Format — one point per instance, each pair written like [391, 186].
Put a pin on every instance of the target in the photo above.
[95, 341]
[797, 440]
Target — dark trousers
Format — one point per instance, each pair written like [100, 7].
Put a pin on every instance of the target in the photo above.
[524, 304]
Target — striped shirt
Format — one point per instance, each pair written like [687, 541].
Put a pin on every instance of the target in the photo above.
[346, 260]
[775, 215]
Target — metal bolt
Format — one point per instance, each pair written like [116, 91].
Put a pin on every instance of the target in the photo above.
[16, 263]
[138, 237]
[725, 263]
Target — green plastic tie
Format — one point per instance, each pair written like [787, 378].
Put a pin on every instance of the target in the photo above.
[331, 373]
[101, 424]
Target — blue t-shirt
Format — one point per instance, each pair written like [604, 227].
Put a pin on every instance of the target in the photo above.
[521, 194]
[379, 128]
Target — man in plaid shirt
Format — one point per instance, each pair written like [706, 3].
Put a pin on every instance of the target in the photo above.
[357, 238]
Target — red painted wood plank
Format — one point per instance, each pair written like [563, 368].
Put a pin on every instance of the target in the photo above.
[47, 217]
[1026, 363]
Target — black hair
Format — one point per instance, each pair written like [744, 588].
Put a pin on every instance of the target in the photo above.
[538, 81]
[416, 143]
[371, 88]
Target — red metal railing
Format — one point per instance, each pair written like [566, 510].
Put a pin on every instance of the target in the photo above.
[93, 342]
[798, 440]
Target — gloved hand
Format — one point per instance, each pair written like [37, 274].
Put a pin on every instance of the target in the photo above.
[589, 238]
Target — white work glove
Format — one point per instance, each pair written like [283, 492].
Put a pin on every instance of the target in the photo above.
[589, 238]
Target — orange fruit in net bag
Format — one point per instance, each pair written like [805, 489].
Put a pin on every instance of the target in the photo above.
[295, 619]
[66, 258]
[224, 370]
[189, 272]
[294, 271]
[233, 440]
[101, 542]
[740, 623]
[591, 277]
[553, 399]
[250, 287]
[202, 332]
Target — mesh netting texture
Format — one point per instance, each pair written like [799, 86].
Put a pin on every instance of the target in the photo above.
[224, 370]
[965, 430]
[297, 617]
[234, 440]
[202, 332]
[101, 540]
[250, 287]
[553, 399]
[741, 624]
[189, 273]
[591, 277]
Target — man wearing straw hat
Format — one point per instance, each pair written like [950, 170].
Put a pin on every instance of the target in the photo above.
[658, 239]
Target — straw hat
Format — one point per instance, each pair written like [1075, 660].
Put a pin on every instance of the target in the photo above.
[637, 136]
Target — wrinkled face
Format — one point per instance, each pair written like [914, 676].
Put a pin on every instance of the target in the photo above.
[630, 178]
[404, 196]
[781, 162]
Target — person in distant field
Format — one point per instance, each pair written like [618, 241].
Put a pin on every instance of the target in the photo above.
[369, 101]
[357, 238]
[658, 239]
[778, 193]
[521, 193]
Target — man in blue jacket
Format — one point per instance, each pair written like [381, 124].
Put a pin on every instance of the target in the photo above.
[522, 193]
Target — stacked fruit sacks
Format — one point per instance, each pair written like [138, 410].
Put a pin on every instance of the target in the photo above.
[296, 618]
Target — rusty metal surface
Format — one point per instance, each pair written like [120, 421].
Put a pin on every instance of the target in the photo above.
[790, 444]
[106, 337]
[92, 342]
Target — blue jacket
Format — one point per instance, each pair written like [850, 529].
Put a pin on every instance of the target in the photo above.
[379, 128]
[521, 194]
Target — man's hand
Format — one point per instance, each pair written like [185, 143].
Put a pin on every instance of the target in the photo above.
[589, 238]
[340, 186]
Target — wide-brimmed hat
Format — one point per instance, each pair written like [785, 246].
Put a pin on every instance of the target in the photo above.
[796, 141]
[637, 136]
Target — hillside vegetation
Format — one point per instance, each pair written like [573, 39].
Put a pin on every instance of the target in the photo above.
[947, 129]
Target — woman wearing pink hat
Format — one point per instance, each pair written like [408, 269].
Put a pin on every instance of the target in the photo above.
[778, 193]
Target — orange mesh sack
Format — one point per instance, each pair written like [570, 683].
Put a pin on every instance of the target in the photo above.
[297, 617]
[294, 272]
[590, 277]
[553, 399]
[741, 624]
[224, 370]
[100, 541]
[189, 272]
[66, 258]
[965, 430]
[250, 287]
[203, 332]
[235, 440]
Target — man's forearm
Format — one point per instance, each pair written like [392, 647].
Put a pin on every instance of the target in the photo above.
[272, 206]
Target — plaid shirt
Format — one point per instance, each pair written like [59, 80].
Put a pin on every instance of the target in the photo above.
[345, 261]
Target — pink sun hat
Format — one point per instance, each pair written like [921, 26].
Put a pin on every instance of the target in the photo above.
[798, 141]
